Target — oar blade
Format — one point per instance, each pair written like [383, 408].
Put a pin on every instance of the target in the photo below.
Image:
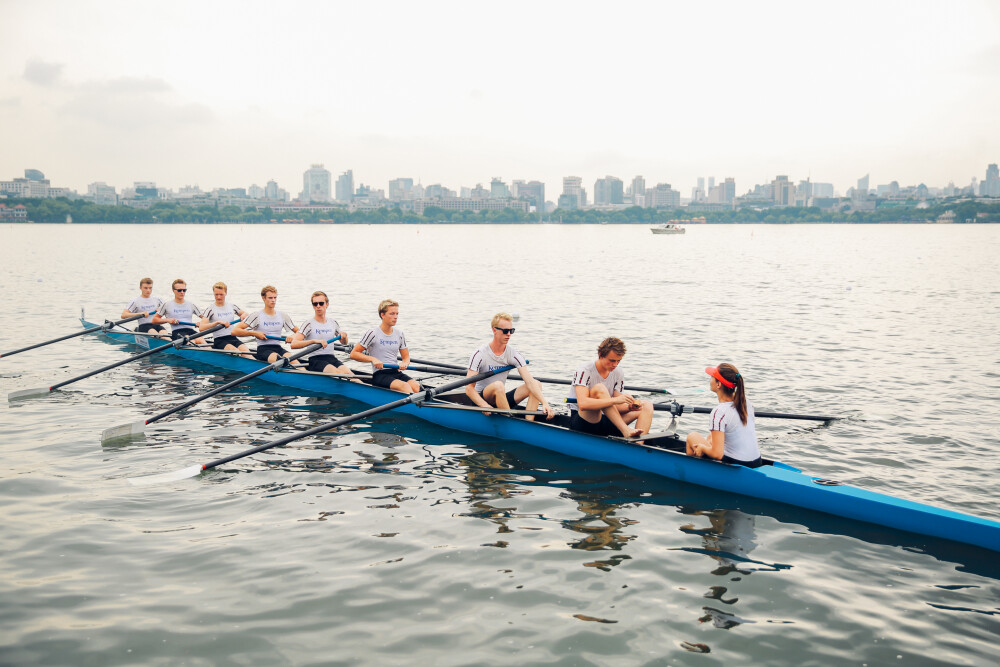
[27, 393]
[124, 432]
[176, 475]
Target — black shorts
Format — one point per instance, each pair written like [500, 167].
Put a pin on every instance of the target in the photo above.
[264, 351]
[510, 398]
[180, 333]
[385, 377]
[220, 342]
[603, 427]
[756, 463]
[148, 326]
[321, 361]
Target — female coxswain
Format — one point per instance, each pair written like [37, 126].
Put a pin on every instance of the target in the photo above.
[733, 436]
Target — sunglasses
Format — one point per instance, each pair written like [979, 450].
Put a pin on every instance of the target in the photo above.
[179, 289]
[504, 331]
[318, 303]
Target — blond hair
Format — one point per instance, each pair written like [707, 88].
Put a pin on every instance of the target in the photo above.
[222, 286]
[268, 288]
[385, 305]
[501, 316]
[320, 293]
[179, 281]
[145, 281]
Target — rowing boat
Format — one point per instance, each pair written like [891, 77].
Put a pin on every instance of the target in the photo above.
[663, 455]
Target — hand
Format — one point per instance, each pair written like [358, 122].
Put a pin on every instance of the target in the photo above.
[377, 364]
[288, 338]
[403, 365]
[549, 412]
[259, 335]
[321, 342]
[174, 320]
[343, 338]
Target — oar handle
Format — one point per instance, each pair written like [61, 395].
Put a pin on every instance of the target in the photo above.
[229, 385]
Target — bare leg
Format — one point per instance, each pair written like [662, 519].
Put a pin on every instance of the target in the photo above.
[694, 439]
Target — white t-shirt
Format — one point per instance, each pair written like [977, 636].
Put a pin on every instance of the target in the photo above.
[185, 312]
[383, 346]
[741, 439]
[320, 331]
[270, 325]
[587, 376]
[147, 304]
[224, 313]
[483, 360]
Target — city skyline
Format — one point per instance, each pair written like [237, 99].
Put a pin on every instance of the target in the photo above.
[119, 92]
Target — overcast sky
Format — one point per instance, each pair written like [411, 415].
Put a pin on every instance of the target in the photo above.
[225, 94]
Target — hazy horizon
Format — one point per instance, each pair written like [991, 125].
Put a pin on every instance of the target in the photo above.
[229, 94]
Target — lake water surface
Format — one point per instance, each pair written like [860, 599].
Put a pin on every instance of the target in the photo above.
[395, 542]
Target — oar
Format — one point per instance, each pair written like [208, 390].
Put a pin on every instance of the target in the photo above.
[676, 408]
[649, 390]
[103, 327]
[42, 391]
[424, 395]
[137, 428]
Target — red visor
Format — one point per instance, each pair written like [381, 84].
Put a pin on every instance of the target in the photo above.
[714, 372]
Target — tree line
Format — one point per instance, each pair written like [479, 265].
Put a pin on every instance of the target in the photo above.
[81, 211]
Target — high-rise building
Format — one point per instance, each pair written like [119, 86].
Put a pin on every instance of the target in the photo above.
[271, 190]
[861, 192]
[782, 191]
[498, 189]
[255, 192]
[729, 186]
[663, 196]
[316, 184]
[991, 186]
[572, 194]
[711, 183]
[400, 189]
[534, 193]
[345, 186]
[608, 190]
[638, 191]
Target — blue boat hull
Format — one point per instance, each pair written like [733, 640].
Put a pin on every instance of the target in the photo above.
[776, 481]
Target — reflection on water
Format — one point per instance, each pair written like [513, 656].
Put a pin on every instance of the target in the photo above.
[377, 543]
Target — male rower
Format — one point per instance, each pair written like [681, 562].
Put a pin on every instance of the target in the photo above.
[380, 345]
[601, 408]
[145, 303]
[265, 322]
[498, 353]
[179, 313]
[320, 330]
[224, 312]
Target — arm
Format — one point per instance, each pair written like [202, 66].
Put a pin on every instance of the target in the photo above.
[470, 391]
[404, 361]
[716, 446]
[585, 402]
[358, 355]
[241, 330]
[535, 389]
[127, 313]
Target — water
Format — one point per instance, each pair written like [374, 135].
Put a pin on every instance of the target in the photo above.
[398, 542]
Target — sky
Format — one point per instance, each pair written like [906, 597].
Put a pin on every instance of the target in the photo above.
[229, 94]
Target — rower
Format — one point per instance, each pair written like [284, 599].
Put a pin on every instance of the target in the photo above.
[220, 311]
[179, 310]
[320, 330]
[145, 303]
[498, 353]
[380, 345]
[267, 321]
[601, 408]
[733, 435]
